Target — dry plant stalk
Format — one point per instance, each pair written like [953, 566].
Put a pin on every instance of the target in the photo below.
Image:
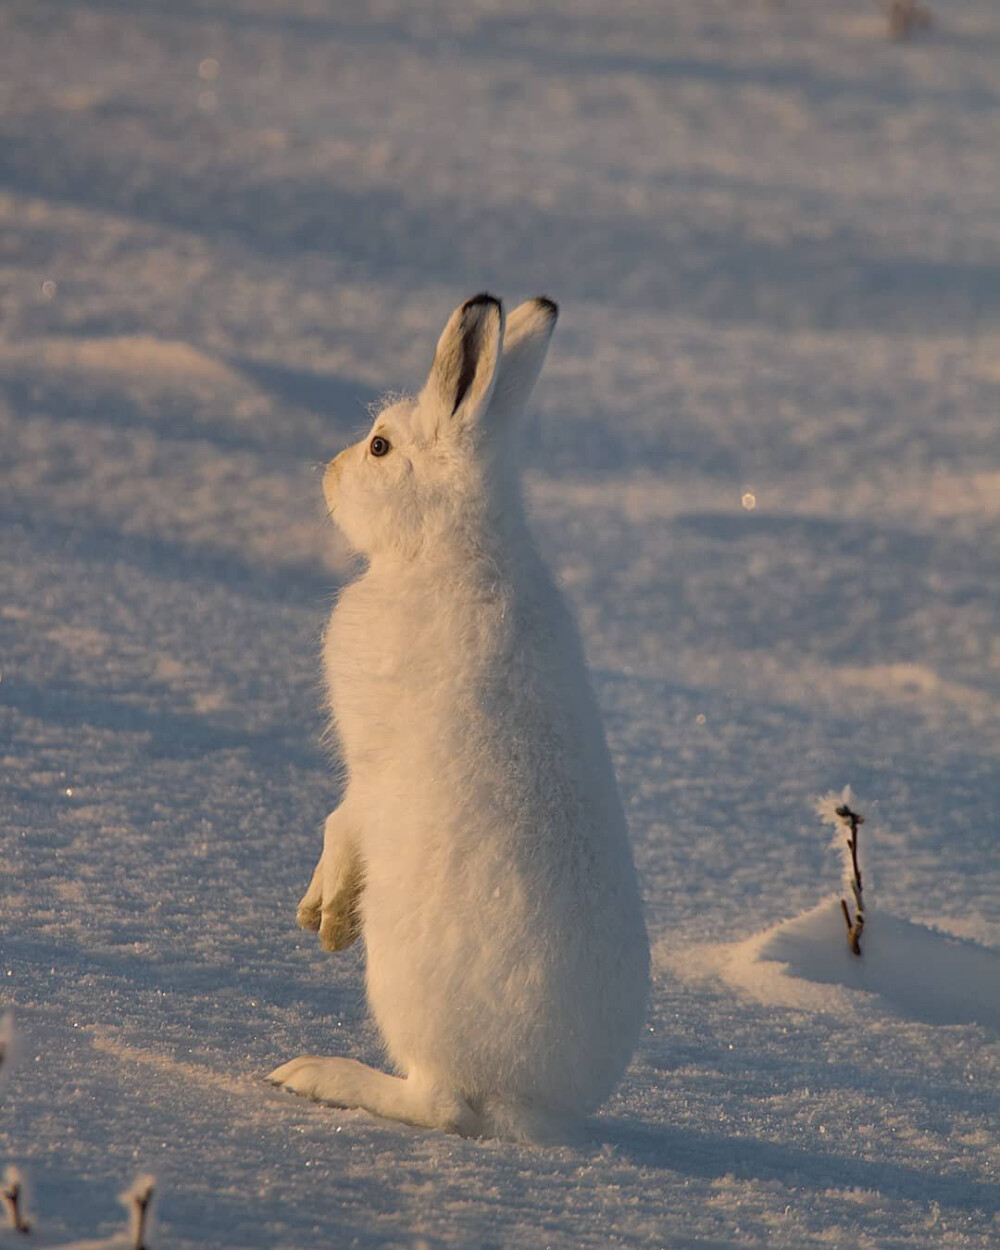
[142, 1202]
[138, 1199]
[11, 1195]
[855, 926]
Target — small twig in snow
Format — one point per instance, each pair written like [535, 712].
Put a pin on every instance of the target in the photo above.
[138, 1200]
[855, 926]
[12, 1196]
[837, 810]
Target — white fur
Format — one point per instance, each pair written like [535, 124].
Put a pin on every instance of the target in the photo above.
[481, 845]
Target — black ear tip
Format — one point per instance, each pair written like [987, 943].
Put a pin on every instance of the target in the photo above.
[484, 297]
[549, 305]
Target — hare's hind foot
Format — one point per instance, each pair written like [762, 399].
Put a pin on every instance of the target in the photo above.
[345, 1083]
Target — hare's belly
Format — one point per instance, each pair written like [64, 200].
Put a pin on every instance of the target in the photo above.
[501, 982]
[449, 997]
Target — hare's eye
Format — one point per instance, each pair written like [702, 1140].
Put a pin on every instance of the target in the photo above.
[379, 446]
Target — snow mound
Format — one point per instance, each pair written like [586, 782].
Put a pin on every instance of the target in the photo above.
[916, 972]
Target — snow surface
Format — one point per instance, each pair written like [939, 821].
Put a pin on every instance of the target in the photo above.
[766, 468]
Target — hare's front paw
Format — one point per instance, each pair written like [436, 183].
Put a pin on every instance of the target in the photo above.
[331, 906]
[309, 911]
[340, 923]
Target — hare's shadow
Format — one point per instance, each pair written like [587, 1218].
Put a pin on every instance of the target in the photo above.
[710, 1156]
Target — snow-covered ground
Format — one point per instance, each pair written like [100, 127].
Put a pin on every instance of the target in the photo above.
[766, 467]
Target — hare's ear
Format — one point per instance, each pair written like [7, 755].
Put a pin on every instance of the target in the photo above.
[464, 371]
[525, 344]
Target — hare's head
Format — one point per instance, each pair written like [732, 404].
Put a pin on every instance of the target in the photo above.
[444, 462]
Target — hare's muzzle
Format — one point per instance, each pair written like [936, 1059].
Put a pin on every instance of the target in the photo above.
[331, 476]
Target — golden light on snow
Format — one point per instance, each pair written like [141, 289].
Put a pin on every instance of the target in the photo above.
[208, 69]
[748, 500]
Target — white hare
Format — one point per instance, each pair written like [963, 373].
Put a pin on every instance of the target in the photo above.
[480, 848]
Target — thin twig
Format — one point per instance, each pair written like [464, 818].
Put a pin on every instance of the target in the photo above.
[141, 1198]
[855, 926]
[11, 1195]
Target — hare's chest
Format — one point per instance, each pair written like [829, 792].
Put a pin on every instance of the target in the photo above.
[380, 670]
[364, 661]
[404, 670]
